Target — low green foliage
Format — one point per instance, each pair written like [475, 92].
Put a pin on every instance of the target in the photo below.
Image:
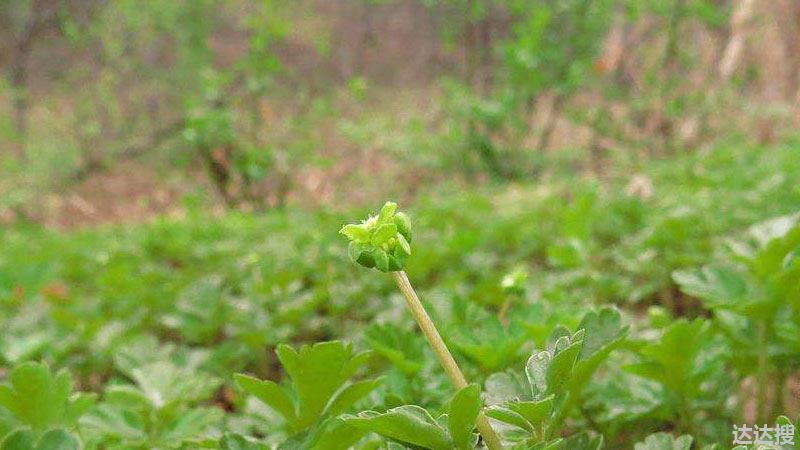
[586, 319]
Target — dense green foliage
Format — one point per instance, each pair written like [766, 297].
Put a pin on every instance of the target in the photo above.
[152, 322]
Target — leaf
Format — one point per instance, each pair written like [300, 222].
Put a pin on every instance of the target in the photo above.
[191, 424]
[672, 360]
[23, 439]
[383, 233]
[164, 384]
[664, 441]
[408, 424]
[403, 223]
[55, 439]
[506, 386]
[583, 441]
[58, 440]
[233, 441]
[269, 393]
[534, 412]
[317, 373]
[536, 371]
[355, 232]
[510, 417]
[113, 421]
[404, 245]
[560, 367]
[350, 394]
[41, 400]
[381, 260]
[717, 287]
[405, 350]
[462, 414]
[335, 434]
[602, 334]
[387, 211]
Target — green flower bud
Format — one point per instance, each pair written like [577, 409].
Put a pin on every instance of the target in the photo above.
[382, 242]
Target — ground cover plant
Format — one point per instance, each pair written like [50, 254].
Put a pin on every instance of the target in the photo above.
[575, 317]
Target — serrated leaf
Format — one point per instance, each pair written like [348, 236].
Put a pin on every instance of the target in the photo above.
[510, 417]
[403, 223]
[350, 394]
[317, 373]
[383, 233]
[233, 441]
[335, 434]
[404, 245]
[41, 400]
[192, 424]
[717, 287]
[664, 441]
[387, 211]
[534, 412]
[409, 424]
[536, 371]
[269, 393]
[381, 260]
[462, 414]
[58, 440]
[355, 232]
[26, 439]
[23, 439]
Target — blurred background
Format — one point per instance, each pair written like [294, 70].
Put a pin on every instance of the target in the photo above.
[113, 111]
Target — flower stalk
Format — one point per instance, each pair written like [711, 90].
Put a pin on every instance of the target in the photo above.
[442, 352]
[383, 242]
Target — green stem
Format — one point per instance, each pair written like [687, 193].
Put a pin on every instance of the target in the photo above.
[778, 406]
[762, 375]
[445, 357]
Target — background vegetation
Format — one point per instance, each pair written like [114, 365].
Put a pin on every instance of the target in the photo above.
[611, 184]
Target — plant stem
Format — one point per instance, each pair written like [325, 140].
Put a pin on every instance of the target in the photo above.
[445, 357]
[762, 375]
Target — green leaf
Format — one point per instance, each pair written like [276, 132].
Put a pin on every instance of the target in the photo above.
[41, 400]
[317, 373]
[403, 223]
[22, 439]
[536, 371]
[603, 333]
[55, 439]
[387, 212]
[356, 232]
[409, 425]
[534, 412]
[58, 440]
[233, 441]
[510, 417]
[269, 393]
[560, 367]
[672, 360]
[350, 394]
[165, 384]
[583, 441]
[191, 424]
[664, 441]
[717, 287]
[462, 414]
[381, 260]
[383, 233]
[404, 245]
[335, 434]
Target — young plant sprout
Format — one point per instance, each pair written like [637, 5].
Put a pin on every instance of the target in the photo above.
[383, 242]
[513, 285]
